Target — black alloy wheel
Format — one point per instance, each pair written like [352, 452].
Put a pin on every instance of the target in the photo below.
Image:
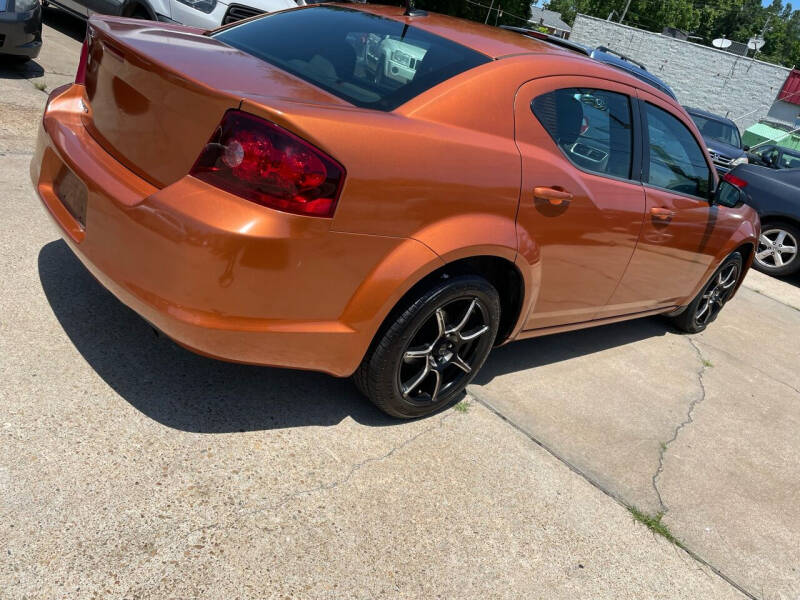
[707, 305]
[429, 351]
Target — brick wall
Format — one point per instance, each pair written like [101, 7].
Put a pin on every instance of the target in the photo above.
[740, 88]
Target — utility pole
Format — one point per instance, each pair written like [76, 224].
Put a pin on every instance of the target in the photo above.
[625, 11]
[761, 36]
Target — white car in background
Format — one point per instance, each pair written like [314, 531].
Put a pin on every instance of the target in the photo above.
[390, 59]
[206, 14]
[210, 14]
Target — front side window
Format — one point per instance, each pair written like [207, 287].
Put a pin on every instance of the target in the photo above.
[365, 59]
[675, 160]
[592, 128]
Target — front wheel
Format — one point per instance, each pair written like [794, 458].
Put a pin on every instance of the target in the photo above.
[432, 349]
[709, 302]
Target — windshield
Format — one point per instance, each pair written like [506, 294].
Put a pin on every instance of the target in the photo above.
[365, 59]
[717, 130]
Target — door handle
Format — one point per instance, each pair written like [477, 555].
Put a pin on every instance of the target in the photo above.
[662, 214]
[554, 195]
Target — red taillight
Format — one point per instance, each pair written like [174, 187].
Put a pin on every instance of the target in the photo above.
[80, 75]
[266, 164]
[733, 180]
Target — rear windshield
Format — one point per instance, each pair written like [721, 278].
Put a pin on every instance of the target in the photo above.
[365, 59]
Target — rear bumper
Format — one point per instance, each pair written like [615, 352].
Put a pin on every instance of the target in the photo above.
[21, 33]
[219, 275]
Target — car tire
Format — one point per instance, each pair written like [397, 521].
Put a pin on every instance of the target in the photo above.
[774, 246]
[708, 303]
[429, 350]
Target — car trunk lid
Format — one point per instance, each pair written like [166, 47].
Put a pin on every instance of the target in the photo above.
[156, 92]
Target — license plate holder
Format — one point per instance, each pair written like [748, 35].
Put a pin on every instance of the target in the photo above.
[73, 195]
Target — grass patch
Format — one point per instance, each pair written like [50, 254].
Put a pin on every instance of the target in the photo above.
[707, 363]
[462, 406]
[40, 85]
[654, 524]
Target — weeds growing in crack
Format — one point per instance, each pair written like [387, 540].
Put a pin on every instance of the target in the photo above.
[462, 406]
[705, 364]
[654, 524]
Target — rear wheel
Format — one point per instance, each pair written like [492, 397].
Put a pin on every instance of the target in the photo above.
[432, 349]
[709, 302]
[777, 252]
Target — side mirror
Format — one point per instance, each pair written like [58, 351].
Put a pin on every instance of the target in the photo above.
[730, 191]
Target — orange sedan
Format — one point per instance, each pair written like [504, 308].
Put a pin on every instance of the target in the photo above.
[366, 193]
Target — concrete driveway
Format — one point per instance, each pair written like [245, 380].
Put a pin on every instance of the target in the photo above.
[131, 468]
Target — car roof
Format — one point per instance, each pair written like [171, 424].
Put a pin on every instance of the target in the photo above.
[551, 39]
[486, 39]
[708, 115]
[636, 69]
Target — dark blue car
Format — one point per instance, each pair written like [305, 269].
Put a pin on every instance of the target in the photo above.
[601, 54]
[722, 139]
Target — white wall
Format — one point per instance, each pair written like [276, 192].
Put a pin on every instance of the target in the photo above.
[740, 88]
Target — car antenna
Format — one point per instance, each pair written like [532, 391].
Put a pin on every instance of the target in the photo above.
[411, 11]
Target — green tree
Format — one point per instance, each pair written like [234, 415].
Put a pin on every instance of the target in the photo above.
[503, 12]
[709, 19]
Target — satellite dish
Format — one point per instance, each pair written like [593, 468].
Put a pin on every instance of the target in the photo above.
[721, 43]
[755, 43]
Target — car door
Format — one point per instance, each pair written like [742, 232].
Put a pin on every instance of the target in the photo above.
[680, 235]
[581, 208]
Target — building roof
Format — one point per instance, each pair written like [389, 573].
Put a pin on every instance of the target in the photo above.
[762, 133]
[791, 88]
[548, 18]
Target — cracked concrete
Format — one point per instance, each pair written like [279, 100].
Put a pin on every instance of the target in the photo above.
[664, 447]
[717, 413]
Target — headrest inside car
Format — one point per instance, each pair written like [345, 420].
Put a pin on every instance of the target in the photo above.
[561, 114]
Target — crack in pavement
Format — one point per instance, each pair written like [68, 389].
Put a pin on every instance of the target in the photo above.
[676, 432]
[749, 366]
[477, 393]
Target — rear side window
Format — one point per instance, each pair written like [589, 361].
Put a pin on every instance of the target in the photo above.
[365, 59]
[676, 161]
[592, 127]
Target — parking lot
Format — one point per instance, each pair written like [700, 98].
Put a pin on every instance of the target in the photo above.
[132, 468]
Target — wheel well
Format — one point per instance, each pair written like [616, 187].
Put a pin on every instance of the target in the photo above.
[771, 220]
[500, 272]
[746, 250]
